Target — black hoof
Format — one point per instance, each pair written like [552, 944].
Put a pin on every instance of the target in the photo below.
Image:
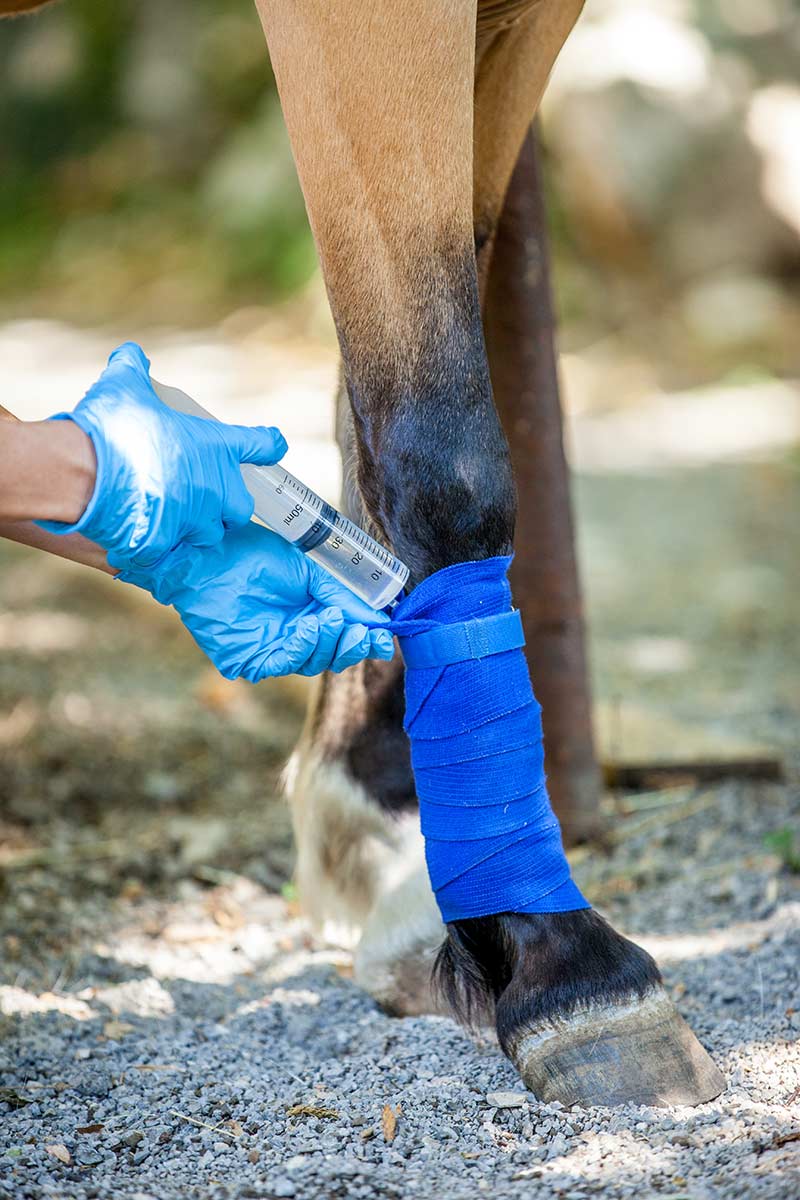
[580, 1010]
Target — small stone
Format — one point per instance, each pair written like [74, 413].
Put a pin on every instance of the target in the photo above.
[682, 1139]
[506, 1099]
[283, 1187]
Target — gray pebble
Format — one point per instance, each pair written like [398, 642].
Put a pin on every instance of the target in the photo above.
[507, 1099]
[283, 1187]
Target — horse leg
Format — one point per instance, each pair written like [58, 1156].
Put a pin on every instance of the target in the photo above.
[512, 70]
[519, 327]
[360, 866]
[390, 205]
[578, 1008]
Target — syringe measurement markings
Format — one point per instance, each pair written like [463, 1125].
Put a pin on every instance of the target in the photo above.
[363, 539]
[357, 535]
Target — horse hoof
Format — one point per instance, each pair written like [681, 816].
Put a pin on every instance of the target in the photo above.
[642, 1052]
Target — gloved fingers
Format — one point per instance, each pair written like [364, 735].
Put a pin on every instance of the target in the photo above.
[237, 509]
[381, 645]
[238, 505]
[290, 657]
[258, 444]
[127, 370]
[357, 643]
[353, 645]
[373, 643]
[129, 355]
[328, 591]
[331, 627]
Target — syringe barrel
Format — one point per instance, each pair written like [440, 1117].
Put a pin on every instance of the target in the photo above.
[299, 515]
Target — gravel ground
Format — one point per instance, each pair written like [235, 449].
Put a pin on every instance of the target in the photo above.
[169, 1027]
[209, 1048]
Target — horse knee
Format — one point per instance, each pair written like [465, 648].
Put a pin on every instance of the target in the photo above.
[433, 465]
[448, 499]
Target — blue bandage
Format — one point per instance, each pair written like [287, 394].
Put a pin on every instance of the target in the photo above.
[492, 841]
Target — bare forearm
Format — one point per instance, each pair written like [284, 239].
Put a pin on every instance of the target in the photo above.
[80, 453]
[73, 546]
[47, 471]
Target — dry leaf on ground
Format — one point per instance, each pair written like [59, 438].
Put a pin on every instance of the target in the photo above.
[56, 1150]
[389, 1119]
[312, 1110]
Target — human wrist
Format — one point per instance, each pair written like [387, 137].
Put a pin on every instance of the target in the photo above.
[69, 467]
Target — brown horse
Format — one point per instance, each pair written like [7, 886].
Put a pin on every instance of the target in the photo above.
[407, 119]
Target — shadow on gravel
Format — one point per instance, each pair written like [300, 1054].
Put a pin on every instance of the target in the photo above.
[179, 1087]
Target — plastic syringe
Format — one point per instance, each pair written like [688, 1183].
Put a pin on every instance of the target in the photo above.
[288, 507]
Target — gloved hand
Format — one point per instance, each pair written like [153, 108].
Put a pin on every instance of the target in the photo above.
[162, 477]
[259, 607]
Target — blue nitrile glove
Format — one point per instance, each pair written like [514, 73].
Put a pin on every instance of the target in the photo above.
[162, 477]
[259, 607]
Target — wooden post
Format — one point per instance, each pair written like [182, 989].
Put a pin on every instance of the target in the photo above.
[520, 328]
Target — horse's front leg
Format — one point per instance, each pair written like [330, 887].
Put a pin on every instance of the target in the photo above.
[379, 103]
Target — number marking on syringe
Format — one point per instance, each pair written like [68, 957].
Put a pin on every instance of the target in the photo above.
[370, 550]
[363, 539]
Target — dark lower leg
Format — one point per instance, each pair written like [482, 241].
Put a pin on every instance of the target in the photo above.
[524, 968]
[565, 990]
[520, 335]
[364, 731]
[424, 431]
[351, 790]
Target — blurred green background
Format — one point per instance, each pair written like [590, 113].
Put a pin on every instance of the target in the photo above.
[146, 173]
[145, 168]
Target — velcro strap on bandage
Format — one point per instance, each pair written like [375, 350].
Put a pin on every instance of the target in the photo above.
[466, 640]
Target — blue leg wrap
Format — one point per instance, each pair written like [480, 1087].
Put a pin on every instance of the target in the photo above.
[492, 841]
